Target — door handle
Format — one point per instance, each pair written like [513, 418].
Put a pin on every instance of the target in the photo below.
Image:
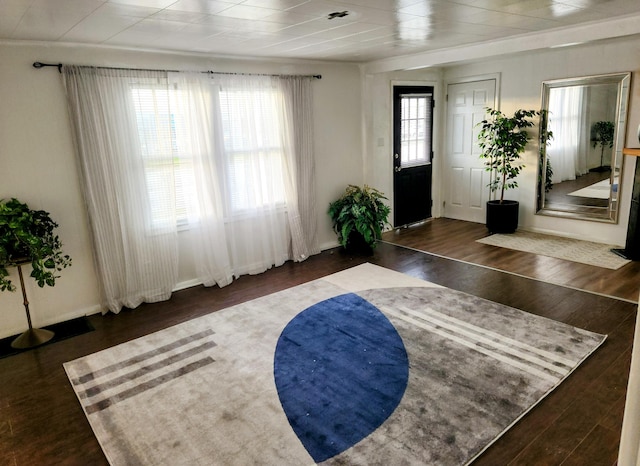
[396, 156]
[397, 169]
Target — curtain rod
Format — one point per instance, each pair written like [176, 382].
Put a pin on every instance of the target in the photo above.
[39, 65]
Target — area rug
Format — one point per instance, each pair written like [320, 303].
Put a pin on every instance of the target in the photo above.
[365, 366]
[599, 190]
[584, 252]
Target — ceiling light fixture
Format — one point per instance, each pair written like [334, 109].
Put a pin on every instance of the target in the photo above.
[337, 14]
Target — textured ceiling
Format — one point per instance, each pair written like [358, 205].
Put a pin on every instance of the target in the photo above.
[370, 30]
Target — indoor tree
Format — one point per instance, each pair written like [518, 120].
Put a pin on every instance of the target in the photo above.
[603, 132]
[502, 140]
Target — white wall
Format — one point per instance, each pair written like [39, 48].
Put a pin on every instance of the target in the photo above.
[352, 142]
[37, 160]
[521, 77]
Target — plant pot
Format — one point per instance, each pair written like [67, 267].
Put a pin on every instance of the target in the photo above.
[502, 217]
[357, 245]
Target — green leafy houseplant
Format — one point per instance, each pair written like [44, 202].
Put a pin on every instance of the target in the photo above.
[502, 140]
[603, 132]
[545, 139]
[360, 210]
[28, 236]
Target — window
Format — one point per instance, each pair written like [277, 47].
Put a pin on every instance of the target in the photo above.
[154, 145]
[254, 154]
[415, 126]
[168, 166]
[252, 162]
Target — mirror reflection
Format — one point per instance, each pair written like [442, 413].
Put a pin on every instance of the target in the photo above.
[581, 140]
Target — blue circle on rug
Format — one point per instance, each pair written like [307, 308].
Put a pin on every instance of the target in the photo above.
[340, 369]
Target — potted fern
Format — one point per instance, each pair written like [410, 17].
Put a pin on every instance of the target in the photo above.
[502, 140]
[359, 217]
[27, 237]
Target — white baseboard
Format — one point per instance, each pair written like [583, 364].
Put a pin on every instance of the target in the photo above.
[329, 245]
[95, 309]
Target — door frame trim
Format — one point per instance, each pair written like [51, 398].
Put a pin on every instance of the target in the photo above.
[478, 77]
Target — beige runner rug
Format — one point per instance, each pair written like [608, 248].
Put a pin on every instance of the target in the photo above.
[585, 252]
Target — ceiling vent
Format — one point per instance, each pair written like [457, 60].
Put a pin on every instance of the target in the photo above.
[337, 14]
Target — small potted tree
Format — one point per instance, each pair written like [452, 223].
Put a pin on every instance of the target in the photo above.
[27, 237]
[359, 216]
[602, 135]
[502, 140]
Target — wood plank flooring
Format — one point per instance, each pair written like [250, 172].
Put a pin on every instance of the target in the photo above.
[457, 239]
[41, 422]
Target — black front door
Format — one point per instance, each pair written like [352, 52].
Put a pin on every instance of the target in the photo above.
[412, 153]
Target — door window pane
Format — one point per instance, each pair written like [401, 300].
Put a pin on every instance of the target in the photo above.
[415, 124]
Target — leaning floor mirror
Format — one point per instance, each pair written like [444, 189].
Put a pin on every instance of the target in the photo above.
[582, 133]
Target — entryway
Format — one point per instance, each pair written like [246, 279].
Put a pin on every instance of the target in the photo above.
[412, 153]
[465, 190]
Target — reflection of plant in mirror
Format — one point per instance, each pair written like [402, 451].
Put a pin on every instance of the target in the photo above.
[502, 139]
[545, 138]
[602, 133]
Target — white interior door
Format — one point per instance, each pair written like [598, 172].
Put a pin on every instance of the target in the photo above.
[466, 180]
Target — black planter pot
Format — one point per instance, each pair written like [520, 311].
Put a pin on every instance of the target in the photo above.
[358, 246]
[502, 217]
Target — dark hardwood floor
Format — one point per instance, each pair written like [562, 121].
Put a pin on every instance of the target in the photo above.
[457, 239]
[41, 422]
[559, 198]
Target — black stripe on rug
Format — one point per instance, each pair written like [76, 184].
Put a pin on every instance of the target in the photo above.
[61, 330]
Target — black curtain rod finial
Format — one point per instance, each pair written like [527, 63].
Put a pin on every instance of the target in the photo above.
[39, 65]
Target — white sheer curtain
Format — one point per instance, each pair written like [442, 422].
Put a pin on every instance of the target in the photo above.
[136, 257]
[298, 107]
[568, 149]
[222, 156]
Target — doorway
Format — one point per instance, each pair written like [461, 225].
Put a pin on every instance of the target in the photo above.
[465, 178]
[412, 153]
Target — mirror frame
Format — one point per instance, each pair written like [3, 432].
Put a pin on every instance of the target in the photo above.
[623, 82]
